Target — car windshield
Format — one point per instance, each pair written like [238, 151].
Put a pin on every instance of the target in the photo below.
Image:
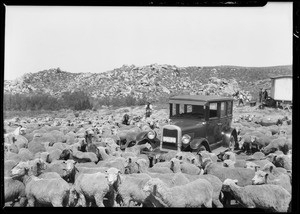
[186, 111]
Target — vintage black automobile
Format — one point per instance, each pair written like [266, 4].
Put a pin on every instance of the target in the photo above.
[199, 122]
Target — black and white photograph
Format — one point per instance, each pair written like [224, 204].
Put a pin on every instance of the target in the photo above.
[148, 106]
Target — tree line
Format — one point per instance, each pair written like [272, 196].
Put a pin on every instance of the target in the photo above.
[77, 100]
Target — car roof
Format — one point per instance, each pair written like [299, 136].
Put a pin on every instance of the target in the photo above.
[198, 99]
[282, 76]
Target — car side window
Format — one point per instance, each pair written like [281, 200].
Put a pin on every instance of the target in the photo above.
[229, 108]
[223, 109]
[213, 109]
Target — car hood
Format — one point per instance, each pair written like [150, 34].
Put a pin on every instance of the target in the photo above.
[187, 124]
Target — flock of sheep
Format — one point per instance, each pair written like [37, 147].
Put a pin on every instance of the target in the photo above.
[78, 162]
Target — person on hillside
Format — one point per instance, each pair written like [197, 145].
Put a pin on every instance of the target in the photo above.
[125, 120]
[148, 109]
[241, 99]
[260, 94]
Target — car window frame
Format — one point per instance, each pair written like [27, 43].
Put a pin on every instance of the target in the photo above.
[218, 110]
[225, 110]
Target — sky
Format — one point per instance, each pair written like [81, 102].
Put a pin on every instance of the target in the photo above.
[99, 39]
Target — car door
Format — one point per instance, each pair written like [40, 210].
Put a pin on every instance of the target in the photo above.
[224, 122]
[213, 129]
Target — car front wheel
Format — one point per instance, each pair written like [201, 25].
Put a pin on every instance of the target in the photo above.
[232, 143]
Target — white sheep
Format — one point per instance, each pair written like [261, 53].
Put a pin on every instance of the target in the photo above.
[268, 197]
[94, 187]
[53, 192]
[197, 193]
[185, 167]
[262, 177]
[14, 190]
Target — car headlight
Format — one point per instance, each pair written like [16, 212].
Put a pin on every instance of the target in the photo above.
[186, 139]
[151, 135]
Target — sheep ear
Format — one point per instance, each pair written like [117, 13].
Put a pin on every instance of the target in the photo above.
[271, 169]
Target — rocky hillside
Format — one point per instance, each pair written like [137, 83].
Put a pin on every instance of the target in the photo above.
[154, 80]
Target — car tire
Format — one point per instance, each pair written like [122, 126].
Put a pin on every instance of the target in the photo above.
[232, 143]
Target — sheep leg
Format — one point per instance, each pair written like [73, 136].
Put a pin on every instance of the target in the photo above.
[30, 202]
[23, 201]
[217, 203]
[57, 203]
[81, 201]
[99, 200]
[208, 204]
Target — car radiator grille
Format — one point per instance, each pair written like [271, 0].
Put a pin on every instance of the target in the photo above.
[170, 133]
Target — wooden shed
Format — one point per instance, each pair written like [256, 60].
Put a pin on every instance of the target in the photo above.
[282, 88]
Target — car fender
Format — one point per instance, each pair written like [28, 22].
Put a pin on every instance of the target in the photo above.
[197, 142]
[228, 133]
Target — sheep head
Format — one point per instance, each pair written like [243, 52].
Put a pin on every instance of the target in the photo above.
[175, 165]
[260, 177]
[251, 165]
[179, 156]
[20, 169]
[269, 167]
[153, 185]
[227, 183]
[229, 163]
[70, 166]
[113, 176]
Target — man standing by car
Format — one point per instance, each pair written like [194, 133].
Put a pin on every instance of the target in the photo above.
[265, 95]
[260, 94]
[148, 109]
[241, 101]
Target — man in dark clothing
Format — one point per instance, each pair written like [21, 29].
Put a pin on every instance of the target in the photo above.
[260, 94]
[148, 109]
[126, 120]
[265, 95]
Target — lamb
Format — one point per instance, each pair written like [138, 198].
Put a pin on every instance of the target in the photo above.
[282, 180]
[54, 155]
[244, 175]
[194, 194]
[268, 197]
[166, 156]
[12, 156]
[283, 161]
[20, 141]
[184, 167]
[280, 143]
[256, 156]
[271, 168]
[53, 192]
[95, 186]
[14, 190]
[130, 189]
[78, 156]
[49, 175]
[89, 170]
[119, 163]
[25, 154]
[34, 146]
[252, 165]
[8, 165]
[136, 149]
[104, 152]
[60, 167]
